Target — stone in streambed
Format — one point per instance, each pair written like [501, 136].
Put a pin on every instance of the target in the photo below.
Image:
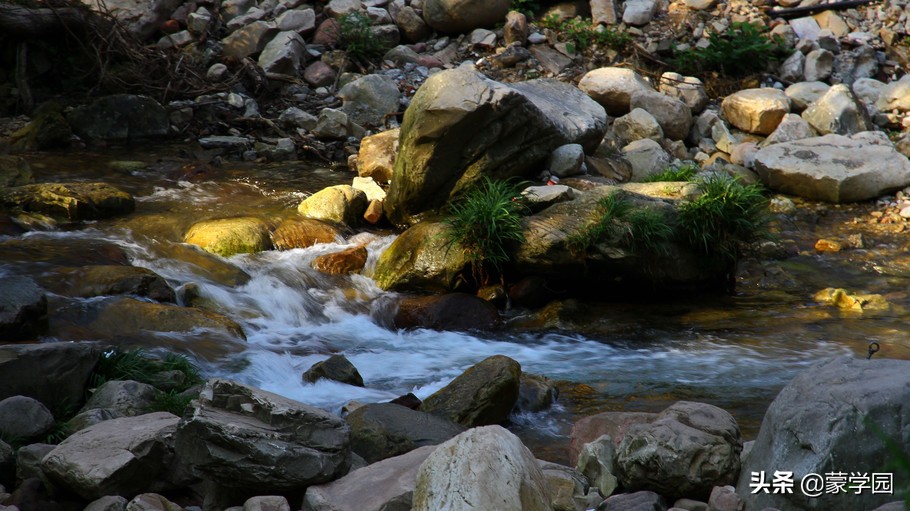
[103, 280]
[756, 111]
[69, 202]
[613, 87]
[462, 16]
[420, 258]
[120, 117]
[131, 318]
[341, 204]
[303, 233]
[345, 262]
[124, 398]
[23, 309]
[383, 430]
[229, 236]
[484, 394]
[337, 368]
[453, 311]
[838, 111]
[24, 418]
[376, 157]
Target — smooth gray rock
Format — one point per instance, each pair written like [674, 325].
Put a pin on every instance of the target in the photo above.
[674, 117]
[336, 367]
[639, 12]
[284, 54]
[834, 168]
[53, 373]
[241, 437]
[119, 457]
[566, 160]
[818, 66]
[123, 397]
[370, 99]
[484, 394]
[636, 125]
[28, 460]
[151, 502]
[832, 417]
[686, 451]
[332, 123]
[894, 96]
[638, 501]
[267, 503]
[486, 468]
[838, 111]
[688, 89]
[792, 127]
[803, 94]
[443, 152]
[24, 418]
[596, 462]
[23, 309]
[384, 430]
[121, 118]
[107, 503]
[647, 158]
[792, 68]
[379, 486]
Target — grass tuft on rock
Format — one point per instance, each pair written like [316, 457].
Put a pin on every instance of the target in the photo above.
[485, 223]
[172, 401]
[641, 229]
[137, 365]
[673, 174]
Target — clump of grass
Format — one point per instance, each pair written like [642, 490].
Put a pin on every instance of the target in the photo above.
[675, 173]
[742, 49]
[172, 401]
[726, 217]
[526, 7]
[484, 223]
[138, 366]
[357, 38]
[641, 229]
[581, 33]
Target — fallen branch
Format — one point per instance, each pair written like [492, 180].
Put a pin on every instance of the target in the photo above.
[813, 9]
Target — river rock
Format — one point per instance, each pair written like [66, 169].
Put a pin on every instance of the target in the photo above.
[420, 258]
[818, 66]
[370, 99]
[384, 430]
[647, 158]
[542, 197]
[23, 309]
[567, 487]
[613, 87]
[7, 466]
[118, 457]
[151, 502]
[535, 393]
[142, 19]
[756, 111]
[341, 204]
[28, 460]
[515, 29]
[14, 171]
[337, 368]
[53, 372]
[108, 503]
[249, 40]
[838, 111]
[894, 96]
[566, 160]
[674, 117]
[90, 417]
[412, 26]
[376, 157]
[103, 280]
[793, 67]
[303, 233]
[834, 168]
[484, 394]
[462, 16]
[229, 236]
[125, 398]
[129, 318]
[442, 152]
[69, 202]
[636, 125]
[24, 418]
[486, 468]
[688, 89]
[241, 437]
[838, 425]
[803, 94]
[121, 118]
[685, 451]
[452, 311]
[596, 462]
[296, 118]
[345, 262]
[387, 485]
[299, 20]
[639, 12]
[791, 128]
[637, 501]
[613, 424]
[284, 54]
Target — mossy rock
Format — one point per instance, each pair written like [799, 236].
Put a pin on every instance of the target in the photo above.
[420, 258]
[342, 204]
[303, 233]
[229, 236]
[48, 130]
[69, 202]
[127, 317]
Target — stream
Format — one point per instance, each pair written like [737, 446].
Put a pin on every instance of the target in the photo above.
[735, 352]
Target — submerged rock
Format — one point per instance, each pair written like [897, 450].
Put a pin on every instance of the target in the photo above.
[420, 258]
[337, 368]
[452, 311]
[345, 262]
[102, 280]
[230, 236]
[303, 233]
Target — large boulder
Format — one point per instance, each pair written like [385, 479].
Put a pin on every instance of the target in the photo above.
[451, 311]
[23, 309]
[838, 111]
[69, 202]
[383, 430]
[484, 394]
[462, 126]
[24, 418]
[340, 204]
[462, 16]
[756, 111]
[688, 449]
[486, 469]
[54, 373]
[241, 437]
[120, 118]
[129, 318]
[387, 485]
[834, 168]
[119, 457]
[833, 417]
[229, 236]
[613, 87]
[420, 258]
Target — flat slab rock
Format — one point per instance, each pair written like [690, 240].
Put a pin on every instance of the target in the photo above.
[834, 168]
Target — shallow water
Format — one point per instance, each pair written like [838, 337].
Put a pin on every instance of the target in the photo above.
[735, 352]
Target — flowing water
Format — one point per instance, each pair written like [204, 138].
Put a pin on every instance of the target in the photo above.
[732, 351]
